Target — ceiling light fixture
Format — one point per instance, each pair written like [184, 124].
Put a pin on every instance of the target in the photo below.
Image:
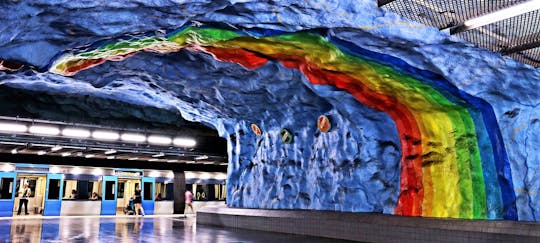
[110, 151]
[151, 160]
[65, 154]
[98, 171]
[105, 135]
[134, 158]
[172, 160]
[56, 148]
[76, 133]
[111, 157]
[159, 140]
[158, 155]
[202, 157]
[8, 167]
[76, 170]
[12, 127]
[496, 16]
[133, 137]
[14, 151]
[44, 130]
[89, 156]
[41, 152]
[184, 142]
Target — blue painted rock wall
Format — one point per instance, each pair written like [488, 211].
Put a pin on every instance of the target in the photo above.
[355, 167]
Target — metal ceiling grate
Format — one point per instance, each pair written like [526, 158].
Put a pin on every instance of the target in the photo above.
[514, 36]
[446, 13]
[531, 57]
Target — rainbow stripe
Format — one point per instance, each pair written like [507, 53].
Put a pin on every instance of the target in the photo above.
[453, 159]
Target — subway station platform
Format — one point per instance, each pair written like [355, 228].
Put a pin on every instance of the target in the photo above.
[369, 227]
[173, 228]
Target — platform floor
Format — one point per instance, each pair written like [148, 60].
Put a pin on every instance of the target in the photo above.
[132, 229]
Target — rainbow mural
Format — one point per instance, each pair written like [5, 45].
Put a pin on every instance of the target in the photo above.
[453, 162]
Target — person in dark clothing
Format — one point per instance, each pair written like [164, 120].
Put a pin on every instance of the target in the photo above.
[138, 202]
[24, 199]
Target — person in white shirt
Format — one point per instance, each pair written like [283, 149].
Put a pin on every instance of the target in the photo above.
[24, 199]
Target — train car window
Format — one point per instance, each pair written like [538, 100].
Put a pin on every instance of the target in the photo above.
[54, 189]
[148, 191]
[95, 186]
[121, 186]
[90, 189]
[109, 190]
[160, 191]
[202, 193]
[82, 190]
[6, 188]
[170, 191]
[211, 192]
[223, 195]
[70, 189]
[32, 185]
[164, 191]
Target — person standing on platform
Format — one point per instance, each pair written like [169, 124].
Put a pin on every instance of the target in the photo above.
[189, 200]
[24, 199]
[138, 202]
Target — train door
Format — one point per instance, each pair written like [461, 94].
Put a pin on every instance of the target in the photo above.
[125, 193]
[7, 193]
[53, 199]
[37, 185]
[108, 203]
[148, 185]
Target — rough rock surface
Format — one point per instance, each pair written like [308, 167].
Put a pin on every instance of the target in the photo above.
[355, 167]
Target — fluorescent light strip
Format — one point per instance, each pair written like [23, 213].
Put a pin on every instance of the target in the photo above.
[158, 155]
[133, 137]
[76, 133]
[184, 142]
[12, 127]
[502, 14]
[111, 151]
[105, 135]
[44, 130]
[56, 148]
[161, 140]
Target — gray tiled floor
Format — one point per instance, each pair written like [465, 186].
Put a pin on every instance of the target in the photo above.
[132, 229]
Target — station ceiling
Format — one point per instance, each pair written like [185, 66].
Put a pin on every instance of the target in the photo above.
[514, 30]
[56, 142]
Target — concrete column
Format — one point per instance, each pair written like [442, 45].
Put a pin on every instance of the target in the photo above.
[179, 190]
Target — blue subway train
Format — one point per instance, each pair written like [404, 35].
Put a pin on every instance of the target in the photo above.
[57, 190]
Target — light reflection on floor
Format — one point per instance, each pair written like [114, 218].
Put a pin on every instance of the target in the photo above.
[132, 229]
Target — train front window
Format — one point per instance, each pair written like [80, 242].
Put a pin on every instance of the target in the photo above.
[6, 188]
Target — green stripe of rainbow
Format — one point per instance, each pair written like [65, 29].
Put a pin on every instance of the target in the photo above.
[442, 173]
